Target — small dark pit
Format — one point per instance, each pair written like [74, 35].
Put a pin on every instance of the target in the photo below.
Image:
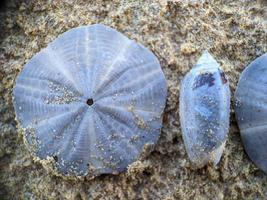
[147, 173]
[90, 102]
[55, 158]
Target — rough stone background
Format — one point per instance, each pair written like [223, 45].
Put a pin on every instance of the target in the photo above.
[235, 32]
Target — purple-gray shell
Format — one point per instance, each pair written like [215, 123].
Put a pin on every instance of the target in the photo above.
[91, 100]
[204, 111]
[251, 110]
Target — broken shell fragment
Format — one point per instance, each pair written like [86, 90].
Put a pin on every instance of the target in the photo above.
[204, 111]
[92, 100]
[251, 110]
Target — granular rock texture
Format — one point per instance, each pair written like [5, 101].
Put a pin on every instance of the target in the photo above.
[235, 33]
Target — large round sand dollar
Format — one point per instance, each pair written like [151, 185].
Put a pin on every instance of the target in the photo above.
[91, 100]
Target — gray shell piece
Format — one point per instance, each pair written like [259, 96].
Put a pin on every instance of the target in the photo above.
[204, 111]
[251, 110]
[92, 100]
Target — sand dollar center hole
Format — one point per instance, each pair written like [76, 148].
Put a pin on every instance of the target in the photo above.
[90, 102]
